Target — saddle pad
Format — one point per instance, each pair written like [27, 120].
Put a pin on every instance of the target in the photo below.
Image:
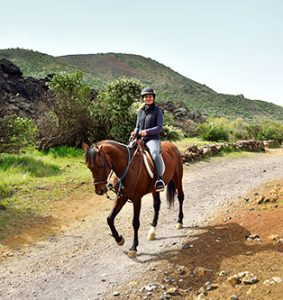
[149, 163]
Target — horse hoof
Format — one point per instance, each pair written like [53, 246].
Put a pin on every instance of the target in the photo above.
[179, 226]
[151, 234]
[132, 253]
[122, 242]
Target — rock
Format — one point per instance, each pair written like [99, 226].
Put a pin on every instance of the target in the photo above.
[172, 291]
[253, 237]
[268, 282]
[273, 237]
[148, 288]
[242, 277]
[18, 95]
[233, 280]
[116, 293]
[277, 279]
[222, 273]
[181, 270]
[249, 279]
[210, 286]
[199, 271]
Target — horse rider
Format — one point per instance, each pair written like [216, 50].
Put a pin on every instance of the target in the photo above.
[149, 124]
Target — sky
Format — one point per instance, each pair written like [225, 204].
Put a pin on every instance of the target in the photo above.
[232, 46]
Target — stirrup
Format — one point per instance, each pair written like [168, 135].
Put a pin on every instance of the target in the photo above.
[159, 185]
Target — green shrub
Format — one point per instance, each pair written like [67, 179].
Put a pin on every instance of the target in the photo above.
[209, 131]
[171, 133]
[16, 133]
[270, 130]
[239, 129]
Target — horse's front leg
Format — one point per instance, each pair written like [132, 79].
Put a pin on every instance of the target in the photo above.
[156, 205]
[110, 219]
[136, 225]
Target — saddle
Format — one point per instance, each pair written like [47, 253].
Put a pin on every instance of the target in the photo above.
[147, 159]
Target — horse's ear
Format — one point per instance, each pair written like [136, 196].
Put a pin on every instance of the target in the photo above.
[99, 148]
[85, 147]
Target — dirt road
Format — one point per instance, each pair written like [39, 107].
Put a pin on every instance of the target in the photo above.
[83, 261]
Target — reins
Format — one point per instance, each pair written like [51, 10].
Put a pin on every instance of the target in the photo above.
[122, 176]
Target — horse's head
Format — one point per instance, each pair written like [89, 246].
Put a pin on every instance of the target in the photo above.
[100, 168]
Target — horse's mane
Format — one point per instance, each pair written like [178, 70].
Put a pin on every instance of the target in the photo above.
[90, 155]
[112, 142]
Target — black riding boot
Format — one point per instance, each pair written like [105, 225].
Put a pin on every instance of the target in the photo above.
[159, 184]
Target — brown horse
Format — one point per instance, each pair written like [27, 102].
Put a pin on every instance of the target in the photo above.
[133, 181]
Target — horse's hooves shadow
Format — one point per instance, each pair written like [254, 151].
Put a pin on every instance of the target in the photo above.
[148, 257]
[170, 237]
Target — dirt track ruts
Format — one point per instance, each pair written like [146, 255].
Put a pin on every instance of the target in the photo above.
[83, 261]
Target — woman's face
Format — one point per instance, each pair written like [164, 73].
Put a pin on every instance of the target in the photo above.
[148, 99]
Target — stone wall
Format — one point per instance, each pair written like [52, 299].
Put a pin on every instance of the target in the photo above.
[194, 153]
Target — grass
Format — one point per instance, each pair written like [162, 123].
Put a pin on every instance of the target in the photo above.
[187, 142]
[31, 181]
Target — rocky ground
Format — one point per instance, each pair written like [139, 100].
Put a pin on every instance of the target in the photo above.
[230, 247]
[239, 255]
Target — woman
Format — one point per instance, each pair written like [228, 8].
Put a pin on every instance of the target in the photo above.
[149, 125]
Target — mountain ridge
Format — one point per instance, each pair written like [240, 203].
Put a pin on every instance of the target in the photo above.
[101, 68]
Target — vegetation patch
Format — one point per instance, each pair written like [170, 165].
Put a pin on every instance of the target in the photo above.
[31, 183]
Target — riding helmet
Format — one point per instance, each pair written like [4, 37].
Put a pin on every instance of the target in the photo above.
[148, 91]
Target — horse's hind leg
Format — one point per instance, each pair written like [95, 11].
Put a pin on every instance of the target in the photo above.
[156, 205]
[110, 219]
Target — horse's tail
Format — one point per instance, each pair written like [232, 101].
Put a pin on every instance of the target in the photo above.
[170, 193]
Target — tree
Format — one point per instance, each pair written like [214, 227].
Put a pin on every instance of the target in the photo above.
[68, 118]
[115, 109]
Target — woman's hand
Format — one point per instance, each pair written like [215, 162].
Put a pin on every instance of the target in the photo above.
[143, 133]
[133, 134]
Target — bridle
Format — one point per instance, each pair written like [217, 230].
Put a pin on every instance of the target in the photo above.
[104, 166]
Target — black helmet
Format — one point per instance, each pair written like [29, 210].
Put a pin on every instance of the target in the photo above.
[148, 91]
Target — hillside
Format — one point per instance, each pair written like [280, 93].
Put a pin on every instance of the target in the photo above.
[99, 69]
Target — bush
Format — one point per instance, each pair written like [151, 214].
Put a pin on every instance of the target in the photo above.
[16, 133]
[210, 131]
[239, 129]
[270, 130]
[171, 133]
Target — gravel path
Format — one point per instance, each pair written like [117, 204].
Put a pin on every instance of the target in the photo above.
[83, 261]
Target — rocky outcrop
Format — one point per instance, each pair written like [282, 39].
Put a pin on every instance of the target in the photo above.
[19, 95]
[181, 113]
[194, 153]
